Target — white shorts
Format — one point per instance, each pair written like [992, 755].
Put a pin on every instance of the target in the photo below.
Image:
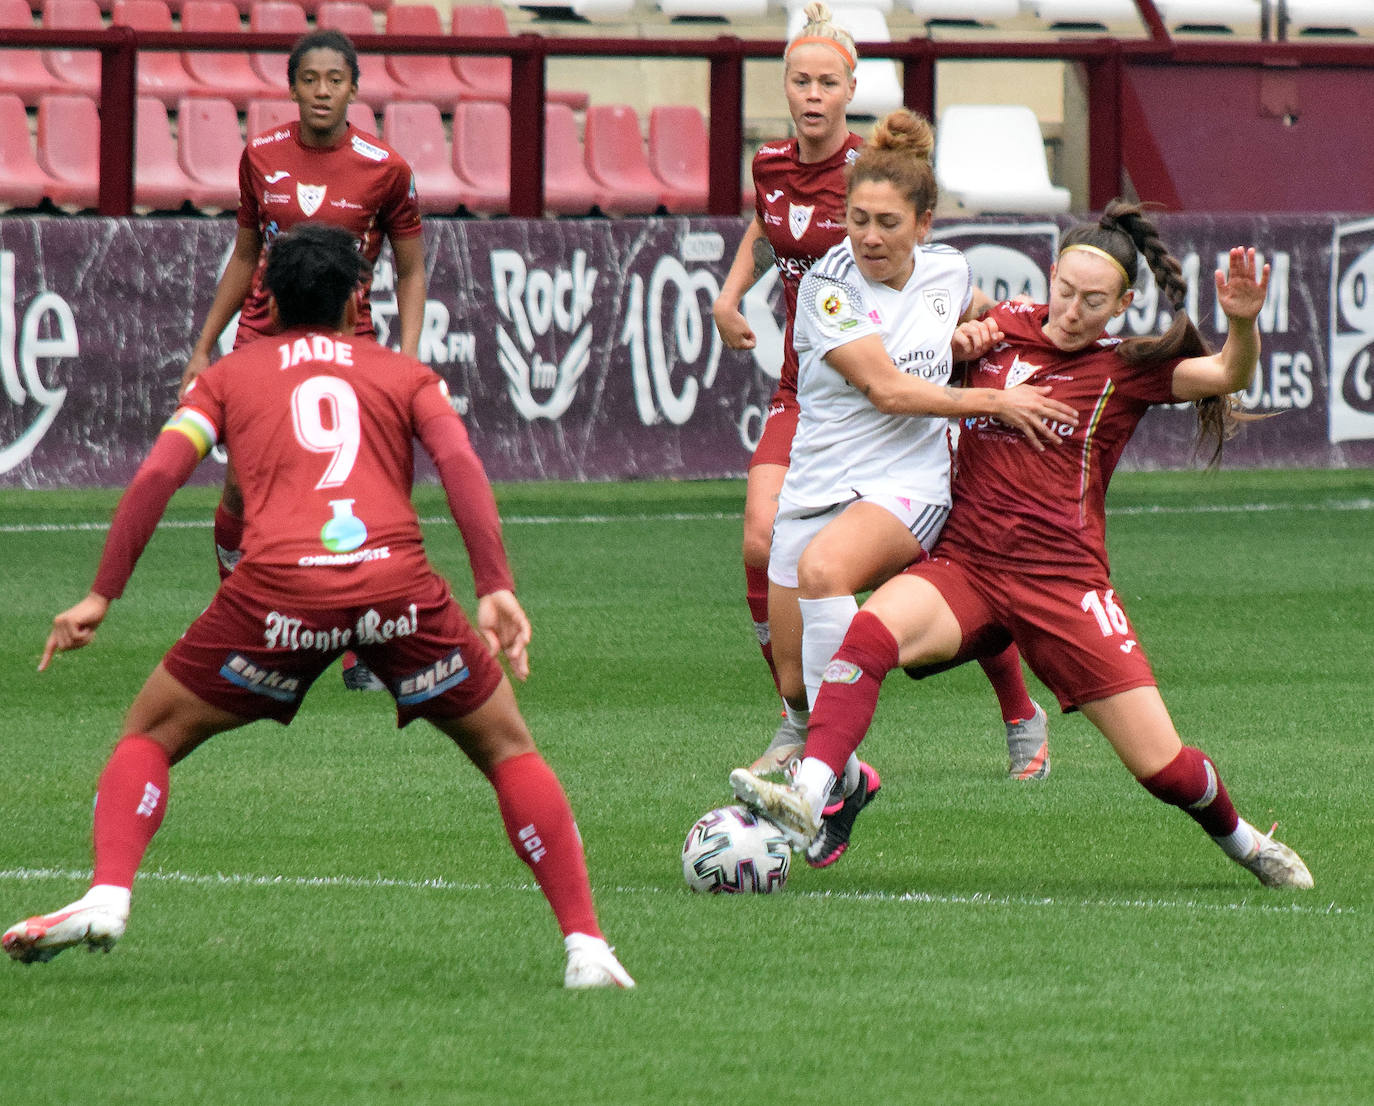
[794, 527]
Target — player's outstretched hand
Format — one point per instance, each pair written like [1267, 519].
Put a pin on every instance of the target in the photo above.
[1241, 288]
[974, 338]
[506, 629]
[75, 627]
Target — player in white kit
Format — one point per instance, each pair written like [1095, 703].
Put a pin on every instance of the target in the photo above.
[881, 320]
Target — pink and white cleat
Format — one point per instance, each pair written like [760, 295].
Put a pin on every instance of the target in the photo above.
[38, 939]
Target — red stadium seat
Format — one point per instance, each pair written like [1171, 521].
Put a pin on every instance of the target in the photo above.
[160, 184]
[22, 181]
[23, 72]
[429, 77]
[74, 70]
[275, 17]
[484, 77]
[267, 115]
[209, 145]
[160, 72]
[678, 155]
[617, 162]
[229, 75]
[416, 132]
[568, 187]
[481, 155]
[376, 86]
[364, 118]
[68, 149]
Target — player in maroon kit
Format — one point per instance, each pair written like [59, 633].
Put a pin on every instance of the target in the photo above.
[1023, 554]
[318, 169]
[323, 424]
[800, 191]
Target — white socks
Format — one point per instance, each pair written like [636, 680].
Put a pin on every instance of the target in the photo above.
[815, 779]
[824, 624]
[1241, 843]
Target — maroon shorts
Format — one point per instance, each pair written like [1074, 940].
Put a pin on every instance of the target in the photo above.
[1072, 631]
[257, 658]
[779, 428]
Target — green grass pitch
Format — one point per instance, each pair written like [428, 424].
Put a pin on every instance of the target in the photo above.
[331, 913]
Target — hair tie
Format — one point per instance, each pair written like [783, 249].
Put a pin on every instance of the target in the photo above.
[1099, 252]
[821, 40]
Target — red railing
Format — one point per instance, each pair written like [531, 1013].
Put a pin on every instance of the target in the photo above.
[1102, 60]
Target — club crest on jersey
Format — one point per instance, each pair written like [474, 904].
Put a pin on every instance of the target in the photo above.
[799, 218]
[937, 299]
[310, 196]
[1019, 372]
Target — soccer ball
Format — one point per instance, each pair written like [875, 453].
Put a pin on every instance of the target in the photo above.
[733, 851]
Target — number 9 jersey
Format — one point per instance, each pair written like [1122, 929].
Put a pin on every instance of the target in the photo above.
[322, 431]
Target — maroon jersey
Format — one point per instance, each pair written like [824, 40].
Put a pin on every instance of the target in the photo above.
[361, 185]
[321, 429]
[802, 209]
[1046, 511]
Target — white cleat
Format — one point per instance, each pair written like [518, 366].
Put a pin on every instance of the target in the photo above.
[592, 963]
[786, 805]
[1274, 864]
[1028, 746]
[38, 939]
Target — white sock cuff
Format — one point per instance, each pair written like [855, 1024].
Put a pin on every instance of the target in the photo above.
[1241, 842]
[815, 779]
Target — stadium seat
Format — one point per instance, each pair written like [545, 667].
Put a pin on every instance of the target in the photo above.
[568, 188]
[266, 115]
[364, 118]
[977, 13]
[23, 72]
[1238, 17]
[376, 86]
[717, 9]
[22, 180]
[275, 17]
[589, 11]
[990, 158]
[1315, 18]
[617, 162]
[74, 70]
[879, 88]
[416, 131]
[229, 75]
[678, 155]
[68, 149]
[484, 77]
[1087, 15]
[160, 72]
[481, 155]
[160, 184]
[429, 77]
[209, 145]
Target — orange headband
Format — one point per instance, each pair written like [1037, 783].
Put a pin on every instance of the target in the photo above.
[821, 40]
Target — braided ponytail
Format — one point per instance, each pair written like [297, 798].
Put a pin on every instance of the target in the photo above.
[1125, 233]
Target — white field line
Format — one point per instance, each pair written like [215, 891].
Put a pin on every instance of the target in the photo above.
[974, 899]
[715, 516]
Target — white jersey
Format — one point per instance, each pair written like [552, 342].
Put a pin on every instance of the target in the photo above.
[844, 446]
